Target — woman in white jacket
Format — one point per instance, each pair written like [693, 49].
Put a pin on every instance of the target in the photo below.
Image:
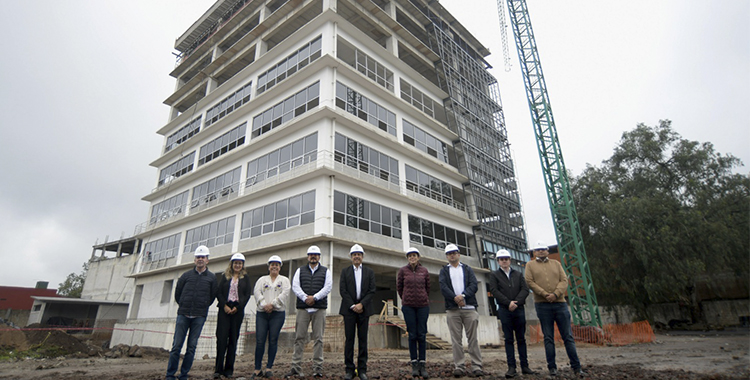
[271, 294]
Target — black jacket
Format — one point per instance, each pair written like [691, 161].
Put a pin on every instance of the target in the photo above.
[195, 292]
[348, 290]
[470, 287]
[506, 289]
[244, 291]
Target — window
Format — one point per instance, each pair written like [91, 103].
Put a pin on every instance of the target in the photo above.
[282, 160]
[211, 235]
[227, 105]
[425, 142]
[365, 64]
[289, 65]
[431, 187]
[169, 207]
[366, 159]
[166, 291]
[37, 307]
[364, 108]
[423, 102]
[425, 232]
[161, 249]
[216, 188]
[286, 110]
[365, 215]
[278, 216]
[183, 134]
[222, 144]
[176, 169]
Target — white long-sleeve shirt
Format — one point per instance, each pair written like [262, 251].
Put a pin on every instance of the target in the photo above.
[322, 293]
[271, 292]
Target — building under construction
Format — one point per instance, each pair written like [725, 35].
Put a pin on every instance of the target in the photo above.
[326, 122]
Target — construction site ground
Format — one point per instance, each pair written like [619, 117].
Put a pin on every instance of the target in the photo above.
[674, 355]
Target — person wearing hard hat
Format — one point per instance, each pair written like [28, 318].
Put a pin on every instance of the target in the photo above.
[357, 287]
[271, 294]
[459, 286]
[195, 292]
[548, 281]
[234, 293]
[509, 288]
[413, 286]
[311, 284]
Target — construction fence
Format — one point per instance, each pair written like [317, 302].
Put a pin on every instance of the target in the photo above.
[611, 334]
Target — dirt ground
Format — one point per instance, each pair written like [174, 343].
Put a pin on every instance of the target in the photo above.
[677, 355]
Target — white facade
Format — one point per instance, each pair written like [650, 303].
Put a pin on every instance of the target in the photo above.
[368, 158]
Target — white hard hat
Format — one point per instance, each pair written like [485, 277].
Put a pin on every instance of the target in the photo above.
[202, 251]
[313, 250]
[356, 248]
[450, 248]
[412, 250]
[502, 253]
[275, 259]
[238, 256]
[539, 246]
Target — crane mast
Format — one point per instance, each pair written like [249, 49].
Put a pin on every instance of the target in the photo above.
[581, 292]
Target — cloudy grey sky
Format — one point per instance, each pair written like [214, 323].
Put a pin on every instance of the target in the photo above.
[83, 83]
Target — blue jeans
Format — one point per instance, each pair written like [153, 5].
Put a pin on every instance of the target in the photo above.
[416, 326]
[549, 314]
[267, 325]
[514, 322]
[195, 325]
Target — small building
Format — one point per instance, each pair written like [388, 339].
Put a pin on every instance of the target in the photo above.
[16, 302]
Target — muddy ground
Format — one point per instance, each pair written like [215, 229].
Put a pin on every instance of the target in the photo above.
[676, 355]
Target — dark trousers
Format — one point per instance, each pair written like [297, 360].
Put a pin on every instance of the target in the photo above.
[184, 327]
[359, 322]
[227, 334]
[514, 323]
[267, 325]
[549, 314]
[416, 326]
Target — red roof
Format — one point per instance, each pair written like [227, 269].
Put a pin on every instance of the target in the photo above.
[16, 298]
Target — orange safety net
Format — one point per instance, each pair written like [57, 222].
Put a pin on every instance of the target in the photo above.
[613, 334]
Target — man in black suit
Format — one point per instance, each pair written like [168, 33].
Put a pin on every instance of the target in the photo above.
[357, 288]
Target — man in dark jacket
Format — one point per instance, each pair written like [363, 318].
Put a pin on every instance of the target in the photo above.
[510, 291]
[357, 287]
[195, 292]
[458, 284]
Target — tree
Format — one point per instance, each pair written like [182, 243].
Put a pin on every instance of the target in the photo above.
[73, 284]
[659, 213]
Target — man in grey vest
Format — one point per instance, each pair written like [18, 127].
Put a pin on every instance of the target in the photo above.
[311, 284]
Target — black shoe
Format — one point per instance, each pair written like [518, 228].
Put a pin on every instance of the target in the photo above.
[318, 373]
[511, 373]
[217, 376]
[553, 372]
[579, 372]
[348, 376]
[268, 374]
[458, 372]
[363, 376]
[423, 370]
[527, 371]
[478, 372]
[414, 368]
[293, 373]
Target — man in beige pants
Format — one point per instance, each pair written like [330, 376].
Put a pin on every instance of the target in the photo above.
[459, 287]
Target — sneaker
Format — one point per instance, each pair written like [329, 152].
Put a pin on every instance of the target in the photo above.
[363, 376]
[527, 371]
[511, 373]
[458, 372]
[478, 372]
[553, 372]
[348, 376]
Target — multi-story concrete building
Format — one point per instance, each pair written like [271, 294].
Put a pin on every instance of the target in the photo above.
[327, 122]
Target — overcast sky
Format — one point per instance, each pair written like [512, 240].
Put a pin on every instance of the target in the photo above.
[82, 85]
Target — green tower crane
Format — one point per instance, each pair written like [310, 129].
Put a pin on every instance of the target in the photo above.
[585, 310]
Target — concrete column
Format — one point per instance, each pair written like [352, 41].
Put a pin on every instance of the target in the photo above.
[391, 43]
[329, 4]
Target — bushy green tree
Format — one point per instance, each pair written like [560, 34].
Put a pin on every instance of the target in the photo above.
[660, 212]
[73, 284]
